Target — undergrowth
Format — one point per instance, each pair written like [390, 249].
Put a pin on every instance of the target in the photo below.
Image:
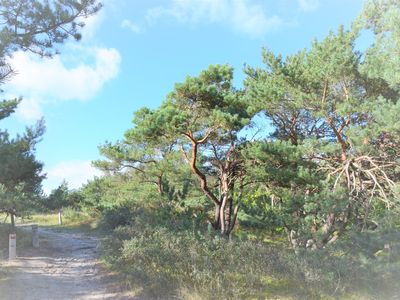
[172, 258]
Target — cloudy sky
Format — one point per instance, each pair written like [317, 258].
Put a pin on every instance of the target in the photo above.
[131, 55]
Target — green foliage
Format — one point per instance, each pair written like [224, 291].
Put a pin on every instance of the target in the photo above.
[382, 61]
[332, 145]
[331, 161]
[58, 198]
[166, 260]
[327, 177]
[164, 255]
[15, 201]
[200, 119]
[20, 172]
[206, 101]
[105, 193]
[37, 26]
[115, 216]
[7, 107]
[163, 252]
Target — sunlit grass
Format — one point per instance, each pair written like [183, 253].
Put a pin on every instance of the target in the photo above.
[40, 219]
[70, 220]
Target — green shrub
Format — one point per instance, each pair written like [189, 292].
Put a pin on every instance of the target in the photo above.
[164, 262]
[72, 215]
[167, 254]
[116, 216]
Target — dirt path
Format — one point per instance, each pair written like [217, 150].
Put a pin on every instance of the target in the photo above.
[64, 267]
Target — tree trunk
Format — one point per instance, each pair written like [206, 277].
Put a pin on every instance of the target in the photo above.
[216, 223]
[226, 207]
[12, 221]
[228, 215]
[224, 216]
[223, 206]
[159, 184]
[60, 216]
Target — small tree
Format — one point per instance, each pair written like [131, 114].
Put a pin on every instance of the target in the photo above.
[154, 163]
[58, 198]
[202, 117]
[20, 172]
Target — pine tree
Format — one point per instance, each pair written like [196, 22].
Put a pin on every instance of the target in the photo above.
[331, 112]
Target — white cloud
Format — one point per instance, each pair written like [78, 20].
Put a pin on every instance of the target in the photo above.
[29, 110]
[308, 5]
[75, 172]
[78, 74]
[51, 78]
[244, 16]
[92, 23]
[131, 26]
[44, 80]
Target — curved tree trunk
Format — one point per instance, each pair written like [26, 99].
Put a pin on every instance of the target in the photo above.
[224, 212]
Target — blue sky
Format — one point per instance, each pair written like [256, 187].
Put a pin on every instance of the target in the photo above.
[131, 55]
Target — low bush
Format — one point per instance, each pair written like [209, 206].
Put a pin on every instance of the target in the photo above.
[168, 262]
[72, 215]
[165, 261]
[116, 216]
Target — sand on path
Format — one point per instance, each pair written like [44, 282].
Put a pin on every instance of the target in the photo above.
[65, 266]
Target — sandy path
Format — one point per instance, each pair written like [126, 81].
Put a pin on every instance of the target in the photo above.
[64, 267]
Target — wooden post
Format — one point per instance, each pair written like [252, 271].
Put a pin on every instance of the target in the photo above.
[12, 246]
[59, 217]
[35, 236]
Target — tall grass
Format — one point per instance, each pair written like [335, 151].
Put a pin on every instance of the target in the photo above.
[70, 219]
[167, 258]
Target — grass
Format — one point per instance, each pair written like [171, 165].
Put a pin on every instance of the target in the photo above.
[72, 220]
[40, 219]
[169, 261]
[158, 258]
[23, 239]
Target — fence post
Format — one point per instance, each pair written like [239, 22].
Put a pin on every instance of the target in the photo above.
[35, 236]
[12, 246]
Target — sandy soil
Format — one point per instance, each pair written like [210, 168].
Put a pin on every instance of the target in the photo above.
[65, 266]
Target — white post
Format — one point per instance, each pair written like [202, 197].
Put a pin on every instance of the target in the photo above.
[12, 246]
[59, 217]
[35, 236]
